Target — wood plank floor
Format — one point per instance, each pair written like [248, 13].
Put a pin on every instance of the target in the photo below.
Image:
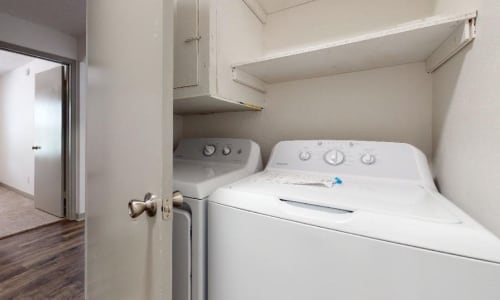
[44, 263]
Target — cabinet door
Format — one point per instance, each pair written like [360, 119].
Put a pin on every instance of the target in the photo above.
[186, 43]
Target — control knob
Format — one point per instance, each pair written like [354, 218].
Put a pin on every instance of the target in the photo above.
[334, 157]
[368, 159]
[226, 150]
[209, 150]
[304, 156]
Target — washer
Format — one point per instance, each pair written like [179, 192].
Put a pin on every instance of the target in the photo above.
[200, 166]
[346, 220]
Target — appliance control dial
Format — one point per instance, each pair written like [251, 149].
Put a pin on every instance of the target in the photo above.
[334, 157]
[368, 159]
[305, 155]
[209, 150]
[226, 150]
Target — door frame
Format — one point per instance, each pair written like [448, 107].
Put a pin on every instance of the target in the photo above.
[71, 121]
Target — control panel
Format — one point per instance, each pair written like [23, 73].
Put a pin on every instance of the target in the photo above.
[217, 150]
[361, 158]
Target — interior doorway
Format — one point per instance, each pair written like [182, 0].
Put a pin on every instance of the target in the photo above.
[33, 260]
[37, 144]
[24, 91]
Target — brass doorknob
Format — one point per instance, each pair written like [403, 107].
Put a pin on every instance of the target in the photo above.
[148, 205]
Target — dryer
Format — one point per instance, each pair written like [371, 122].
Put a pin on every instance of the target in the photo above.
[347, 220]
[199, 167]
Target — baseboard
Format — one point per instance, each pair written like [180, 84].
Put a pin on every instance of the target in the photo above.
[80, 217]
[13, 189]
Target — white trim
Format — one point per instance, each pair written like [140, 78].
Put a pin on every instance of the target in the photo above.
[248, 80]
[258, 11]
[17, 191]
[460, 38]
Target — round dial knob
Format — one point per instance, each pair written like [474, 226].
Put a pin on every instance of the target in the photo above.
[226, 150]
[209, 150]
[368, 159]
[305, 155]
[334, 157]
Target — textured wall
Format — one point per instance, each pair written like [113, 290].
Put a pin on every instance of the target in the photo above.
[391, 104]
[466, 122]
[23, 33]
[330, 20]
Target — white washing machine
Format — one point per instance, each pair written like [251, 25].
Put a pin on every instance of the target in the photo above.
[346, 220]
[201, 166]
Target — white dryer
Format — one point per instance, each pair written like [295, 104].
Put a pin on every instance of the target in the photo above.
[201, 166]
[346, 220]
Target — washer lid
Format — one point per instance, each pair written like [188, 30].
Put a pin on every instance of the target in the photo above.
[393, 211]
[391, 197]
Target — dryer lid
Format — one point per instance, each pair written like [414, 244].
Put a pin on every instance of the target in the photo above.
[197, 179]
[197, 174]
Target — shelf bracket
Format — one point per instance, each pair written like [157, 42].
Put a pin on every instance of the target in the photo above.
[461, 37]
[248, 80]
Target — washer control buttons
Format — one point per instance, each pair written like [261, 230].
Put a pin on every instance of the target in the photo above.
[334, 157]
[368, 159]
[209, 150]
[305, 155]
[226, 150]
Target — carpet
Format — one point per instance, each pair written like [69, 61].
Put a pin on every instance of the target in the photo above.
[18, 214]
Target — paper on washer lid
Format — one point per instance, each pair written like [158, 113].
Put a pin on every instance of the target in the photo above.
[297, 179]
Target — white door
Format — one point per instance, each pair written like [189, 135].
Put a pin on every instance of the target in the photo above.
[48, 145]
[129, 148]
[186, 43]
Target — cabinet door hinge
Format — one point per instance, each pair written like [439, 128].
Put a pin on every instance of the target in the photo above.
[192, 39]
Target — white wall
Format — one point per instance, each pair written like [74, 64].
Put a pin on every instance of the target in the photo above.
[391, 104]
[466, 130]
[23, 33]
[328, 20]
[17, 98]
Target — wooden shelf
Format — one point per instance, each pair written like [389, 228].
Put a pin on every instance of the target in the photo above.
[209, 104]
[433, 40]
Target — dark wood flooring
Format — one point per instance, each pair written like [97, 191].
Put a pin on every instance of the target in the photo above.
[44, 263]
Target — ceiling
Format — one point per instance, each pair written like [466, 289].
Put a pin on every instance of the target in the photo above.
[66, 16]
[272, 6]
[10, 61]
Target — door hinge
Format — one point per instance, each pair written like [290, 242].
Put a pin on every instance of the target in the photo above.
[192, 39]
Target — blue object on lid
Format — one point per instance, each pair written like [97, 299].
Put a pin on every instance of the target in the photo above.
[338, 180]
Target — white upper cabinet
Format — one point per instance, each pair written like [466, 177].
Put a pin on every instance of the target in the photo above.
[228, 51]
[187, 40]
[209, 36]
